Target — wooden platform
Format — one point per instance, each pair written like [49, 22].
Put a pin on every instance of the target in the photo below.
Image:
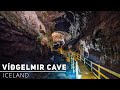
[86, 73]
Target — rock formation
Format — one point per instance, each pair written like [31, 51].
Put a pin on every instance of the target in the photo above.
[99, 30]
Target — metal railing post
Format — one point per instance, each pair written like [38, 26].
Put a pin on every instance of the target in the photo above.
[76, 70]
[84, 60]
[98, 71]
[71, 61]
[73, 65]
[91, 65]
[78, 75]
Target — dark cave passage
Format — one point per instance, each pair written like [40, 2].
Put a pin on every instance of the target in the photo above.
[38, 36]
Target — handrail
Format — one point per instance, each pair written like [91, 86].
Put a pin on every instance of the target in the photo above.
[110, 71]
[99, 68]
[68, 55]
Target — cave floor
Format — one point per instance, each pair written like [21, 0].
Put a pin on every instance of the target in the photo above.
[86, 73]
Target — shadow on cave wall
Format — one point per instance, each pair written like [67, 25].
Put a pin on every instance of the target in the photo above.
[17, 46]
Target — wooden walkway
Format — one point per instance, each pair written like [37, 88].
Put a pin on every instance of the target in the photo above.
[86, 73]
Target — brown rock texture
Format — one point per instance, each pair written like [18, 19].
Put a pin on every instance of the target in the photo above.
[19, 30]
[103, 28]
[26, 20]
[18, 38]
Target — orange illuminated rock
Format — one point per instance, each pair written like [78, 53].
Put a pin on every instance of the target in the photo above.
[57, 37]
[44, 40]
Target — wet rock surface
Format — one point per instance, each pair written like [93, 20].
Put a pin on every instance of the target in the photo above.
[99, 30]
[103, 37]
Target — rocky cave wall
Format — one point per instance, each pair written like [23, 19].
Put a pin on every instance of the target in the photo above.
[18, 33]
[18, 37]
[102, 34]
[17, 46]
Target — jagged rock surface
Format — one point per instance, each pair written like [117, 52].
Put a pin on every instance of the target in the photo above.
[99, 29]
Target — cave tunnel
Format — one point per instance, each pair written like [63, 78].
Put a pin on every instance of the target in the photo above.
[87, 42]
